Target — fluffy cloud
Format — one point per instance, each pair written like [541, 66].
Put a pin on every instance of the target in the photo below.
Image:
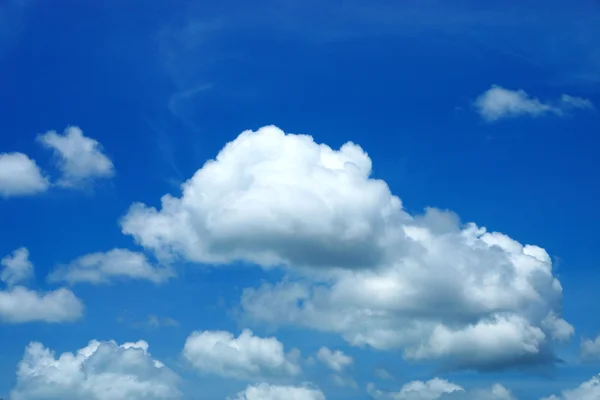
[441, 389]
[590, 349]
[335, 360]
[273, 392]
[497, 103]
[589, 390]
[244, 357]
[272, 199]
[80, 158]
[16, 267]
[363, 267]
[106, 267]
[20, 305]
[99, 371]
[20, 176]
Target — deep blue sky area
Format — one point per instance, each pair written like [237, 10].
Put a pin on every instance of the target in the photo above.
[163, 86]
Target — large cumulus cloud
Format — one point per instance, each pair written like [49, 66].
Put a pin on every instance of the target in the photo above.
[362, 266]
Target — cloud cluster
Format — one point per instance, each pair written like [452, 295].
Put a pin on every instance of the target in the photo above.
[99, 371]
[79, 158]
[102, 268]
[441, 389]
[498, 103]
[20, 305]
[370, 271]
[245, 357]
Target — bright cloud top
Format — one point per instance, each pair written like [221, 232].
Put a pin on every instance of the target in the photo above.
[99, 371]
[274, 392]
[498, 103]
[244, 357]
[335, 360]
[80, 158]
[102, 268]
[372, 272]
[21, 305]
[20, 176]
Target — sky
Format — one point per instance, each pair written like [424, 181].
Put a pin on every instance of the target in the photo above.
[279, 200]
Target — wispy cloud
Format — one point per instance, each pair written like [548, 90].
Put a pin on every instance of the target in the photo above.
[521, 30]
[13, 15]
[498, 103]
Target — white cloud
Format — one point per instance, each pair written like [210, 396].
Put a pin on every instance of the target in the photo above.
[576, 102]
[440, 389]
[497, 103]
[20, 305]
[16, 267]
[590, 349]
[272, 198]
[20, 176]
[417, 390]
[335, 360]
[99, 371]
[244, 357]
[101, 268]
[370, 271]
[80, 158]
[589, 390]
[264, 391]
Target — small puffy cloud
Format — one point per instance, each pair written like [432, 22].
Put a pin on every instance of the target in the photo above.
[106, 267]
[590, 349]
[99, 371]
[16, 267]
[498, 103]
[335, 360]
[440, 389]
[20, 305]
[80, 158]
[362, 266]
[589, 390]
[20, 176]
[244, 357]
[265, 391]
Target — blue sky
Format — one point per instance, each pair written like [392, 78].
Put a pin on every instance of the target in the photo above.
[488, 112]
